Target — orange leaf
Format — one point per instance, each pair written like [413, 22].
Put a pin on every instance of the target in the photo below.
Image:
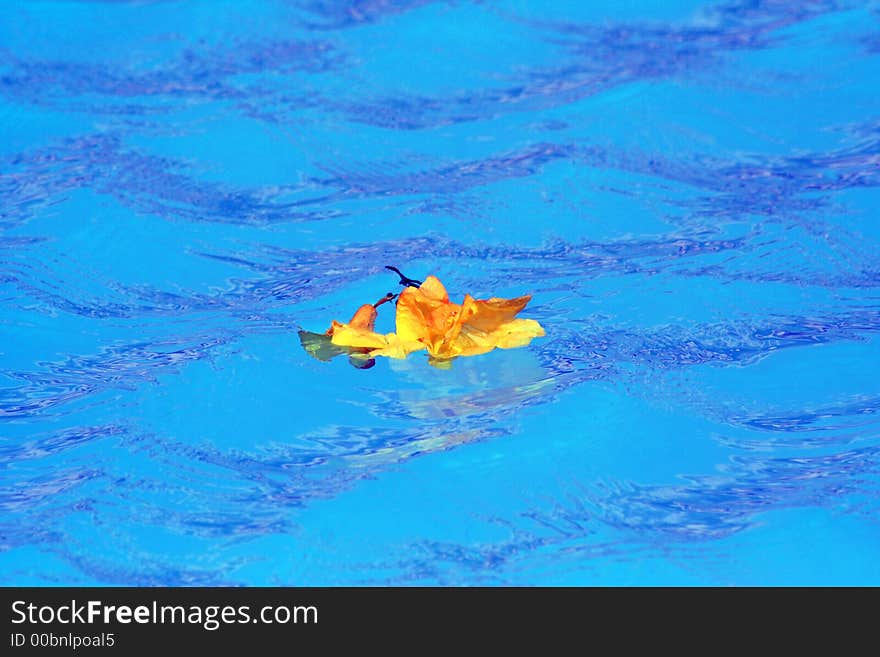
[427, 319]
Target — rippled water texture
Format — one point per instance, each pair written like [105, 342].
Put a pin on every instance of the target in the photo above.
[689, 190]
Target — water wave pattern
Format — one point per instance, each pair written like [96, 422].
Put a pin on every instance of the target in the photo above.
[688, 190]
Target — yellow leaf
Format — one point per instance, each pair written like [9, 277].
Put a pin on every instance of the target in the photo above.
[374, 344]
[448, 329]
[427, 319]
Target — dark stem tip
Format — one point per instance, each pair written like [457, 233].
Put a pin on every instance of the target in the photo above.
[404, 280]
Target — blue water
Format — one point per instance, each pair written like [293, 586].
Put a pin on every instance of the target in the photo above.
[688, 190]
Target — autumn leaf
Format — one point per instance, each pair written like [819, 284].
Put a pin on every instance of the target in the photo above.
[389, 345]
[427, 319]
[425, 314]
[322, 346]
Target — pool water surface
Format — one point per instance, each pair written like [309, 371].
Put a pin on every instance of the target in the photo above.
[688, 190]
